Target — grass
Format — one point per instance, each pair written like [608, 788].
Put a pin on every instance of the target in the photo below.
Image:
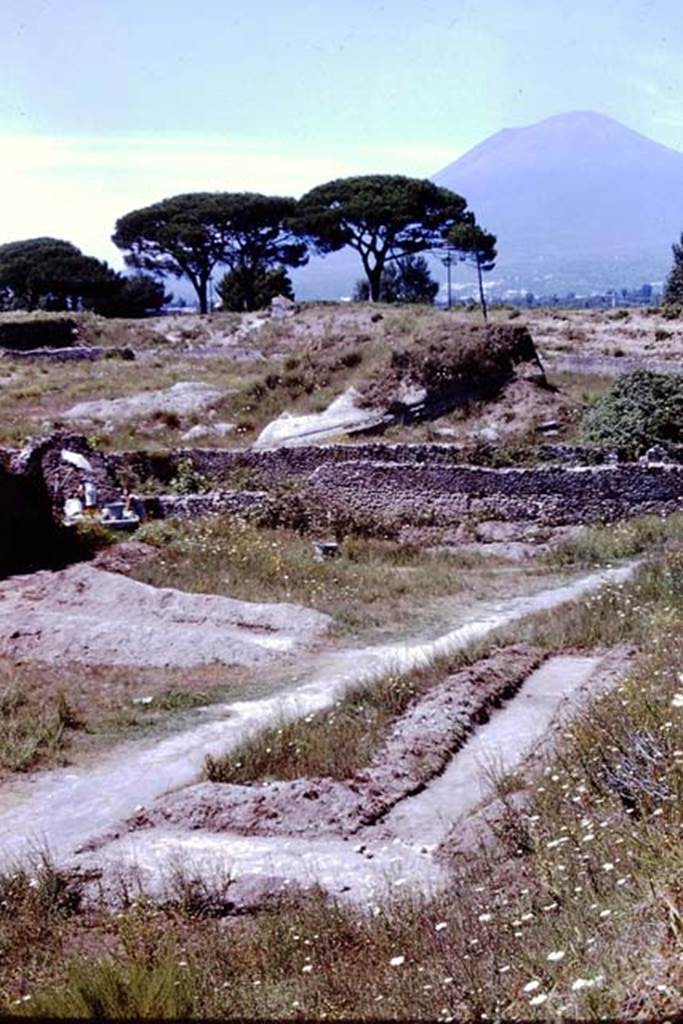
[371, 585]
[575, 911]
[343, 740]
[52, 714]
[33, 731]
[598, 545]
[333, 743]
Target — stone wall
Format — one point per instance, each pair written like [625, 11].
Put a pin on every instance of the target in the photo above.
[372, 488]
[190, 506]
[392, 495]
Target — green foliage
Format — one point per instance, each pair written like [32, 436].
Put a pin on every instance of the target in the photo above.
[673, 289]
[405, 280]
[135, 297]
[476, 247]
[241, 291]
[382, 216]
[597, 545]
[190, 235]
[640, 410]
[111, 990]
[52, 274]
[31, 732]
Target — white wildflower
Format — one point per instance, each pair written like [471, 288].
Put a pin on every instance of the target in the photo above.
[396, 961]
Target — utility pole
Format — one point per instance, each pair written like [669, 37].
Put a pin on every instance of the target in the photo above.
[447, 261]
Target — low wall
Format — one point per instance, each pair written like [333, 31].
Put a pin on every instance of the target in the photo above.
[244, 467]
[393, 495]
[372, 488]
[191, 506]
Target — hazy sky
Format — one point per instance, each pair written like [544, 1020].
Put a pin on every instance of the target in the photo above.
[106, 105]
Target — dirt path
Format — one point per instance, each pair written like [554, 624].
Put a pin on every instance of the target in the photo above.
[63, 809]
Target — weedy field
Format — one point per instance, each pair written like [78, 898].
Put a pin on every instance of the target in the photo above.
[569, 904]
[261, 367]
[563, 895]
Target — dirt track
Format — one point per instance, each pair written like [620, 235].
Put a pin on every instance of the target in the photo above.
[65, 809]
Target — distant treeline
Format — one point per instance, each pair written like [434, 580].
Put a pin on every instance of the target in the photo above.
[389, 220]
[255, 239]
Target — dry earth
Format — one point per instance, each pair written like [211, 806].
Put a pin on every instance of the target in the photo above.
[87, 615]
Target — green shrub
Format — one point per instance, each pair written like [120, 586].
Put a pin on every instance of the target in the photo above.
[641, 409]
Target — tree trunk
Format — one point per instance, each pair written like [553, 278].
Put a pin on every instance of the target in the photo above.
[482, 297]
[202, 290]
[374, 281]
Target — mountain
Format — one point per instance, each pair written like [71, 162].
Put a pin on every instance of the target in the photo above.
[577, 196]
[579, 202]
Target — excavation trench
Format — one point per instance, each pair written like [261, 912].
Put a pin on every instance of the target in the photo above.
[64, 810]
[380, 860]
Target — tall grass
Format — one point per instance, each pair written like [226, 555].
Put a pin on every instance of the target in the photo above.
[33, 731]
[372, 583]
[343, 740]
[596, 545]
[574, 910]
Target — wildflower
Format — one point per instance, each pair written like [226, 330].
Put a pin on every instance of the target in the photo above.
[396, 961]
[537, 1000]
[485, 917]
[531, 986]
[581, 983]
[557, 954]
[608, 866]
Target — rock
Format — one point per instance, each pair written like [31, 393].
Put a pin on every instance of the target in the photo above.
[342, 416]
[182, 399]
[220, 429]
[281, 307]
[657, 454]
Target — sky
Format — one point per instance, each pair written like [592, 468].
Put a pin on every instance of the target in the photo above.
[108, 105]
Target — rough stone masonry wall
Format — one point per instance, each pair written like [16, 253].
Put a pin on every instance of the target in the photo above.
[398, 494]
[245, 466]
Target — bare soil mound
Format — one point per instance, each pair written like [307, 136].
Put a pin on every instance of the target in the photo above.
[83, 614]
[418, 748]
